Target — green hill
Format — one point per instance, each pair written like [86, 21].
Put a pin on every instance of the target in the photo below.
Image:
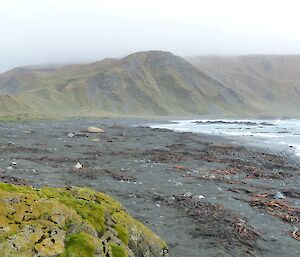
[142, 84]
[270, 83]
[154, 83]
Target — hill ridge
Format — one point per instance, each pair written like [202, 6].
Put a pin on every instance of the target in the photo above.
[148, 83]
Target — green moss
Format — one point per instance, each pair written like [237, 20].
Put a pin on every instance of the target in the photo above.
[4, 187]
[68, 222]
[89, 211]
[123, 233]
[118, 251]
[123, 224]
[8, 188]
[79, 245]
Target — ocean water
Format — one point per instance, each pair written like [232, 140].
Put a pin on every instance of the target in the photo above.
[278, 134]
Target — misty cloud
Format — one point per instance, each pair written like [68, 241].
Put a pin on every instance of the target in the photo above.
[53, 31]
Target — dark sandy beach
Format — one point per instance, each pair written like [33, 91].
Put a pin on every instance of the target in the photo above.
[202, 194]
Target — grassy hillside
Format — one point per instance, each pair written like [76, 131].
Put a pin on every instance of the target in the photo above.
[142, 84]
[271, 83]
[155, 83]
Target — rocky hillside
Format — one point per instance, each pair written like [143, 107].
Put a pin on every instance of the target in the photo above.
[70, 222]
[156, 83]
[270, 83]
[141, 84]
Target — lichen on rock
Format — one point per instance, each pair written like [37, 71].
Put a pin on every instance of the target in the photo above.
[72, 221]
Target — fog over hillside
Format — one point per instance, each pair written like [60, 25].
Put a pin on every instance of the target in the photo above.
[156, 83]
[68, 31]
[240, 58]
[269, 82]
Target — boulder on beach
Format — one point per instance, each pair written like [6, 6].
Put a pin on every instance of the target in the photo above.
[94, 130]
[68, 222]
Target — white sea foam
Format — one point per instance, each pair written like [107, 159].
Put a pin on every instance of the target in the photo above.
[280, 133]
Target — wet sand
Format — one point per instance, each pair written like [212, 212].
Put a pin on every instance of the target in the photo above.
[204, 195]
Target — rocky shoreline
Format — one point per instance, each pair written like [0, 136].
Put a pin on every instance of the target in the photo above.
[204, 195]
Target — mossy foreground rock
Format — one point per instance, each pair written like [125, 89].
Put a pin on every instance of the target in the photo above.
[74, 221]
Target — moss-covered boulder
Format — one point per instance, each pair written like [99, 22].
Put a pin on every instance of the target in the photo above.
[70, 222]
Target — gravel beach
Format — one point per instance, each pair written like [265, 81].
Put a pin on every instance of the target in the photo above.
[204, 195]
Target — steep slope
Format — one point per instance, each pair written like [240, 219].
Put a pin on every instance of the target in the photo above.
[144, 83]
[270, 83]
[11, 105]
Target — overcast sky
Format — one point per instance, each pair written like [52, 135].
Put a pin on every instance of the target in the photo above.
[65, 31]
